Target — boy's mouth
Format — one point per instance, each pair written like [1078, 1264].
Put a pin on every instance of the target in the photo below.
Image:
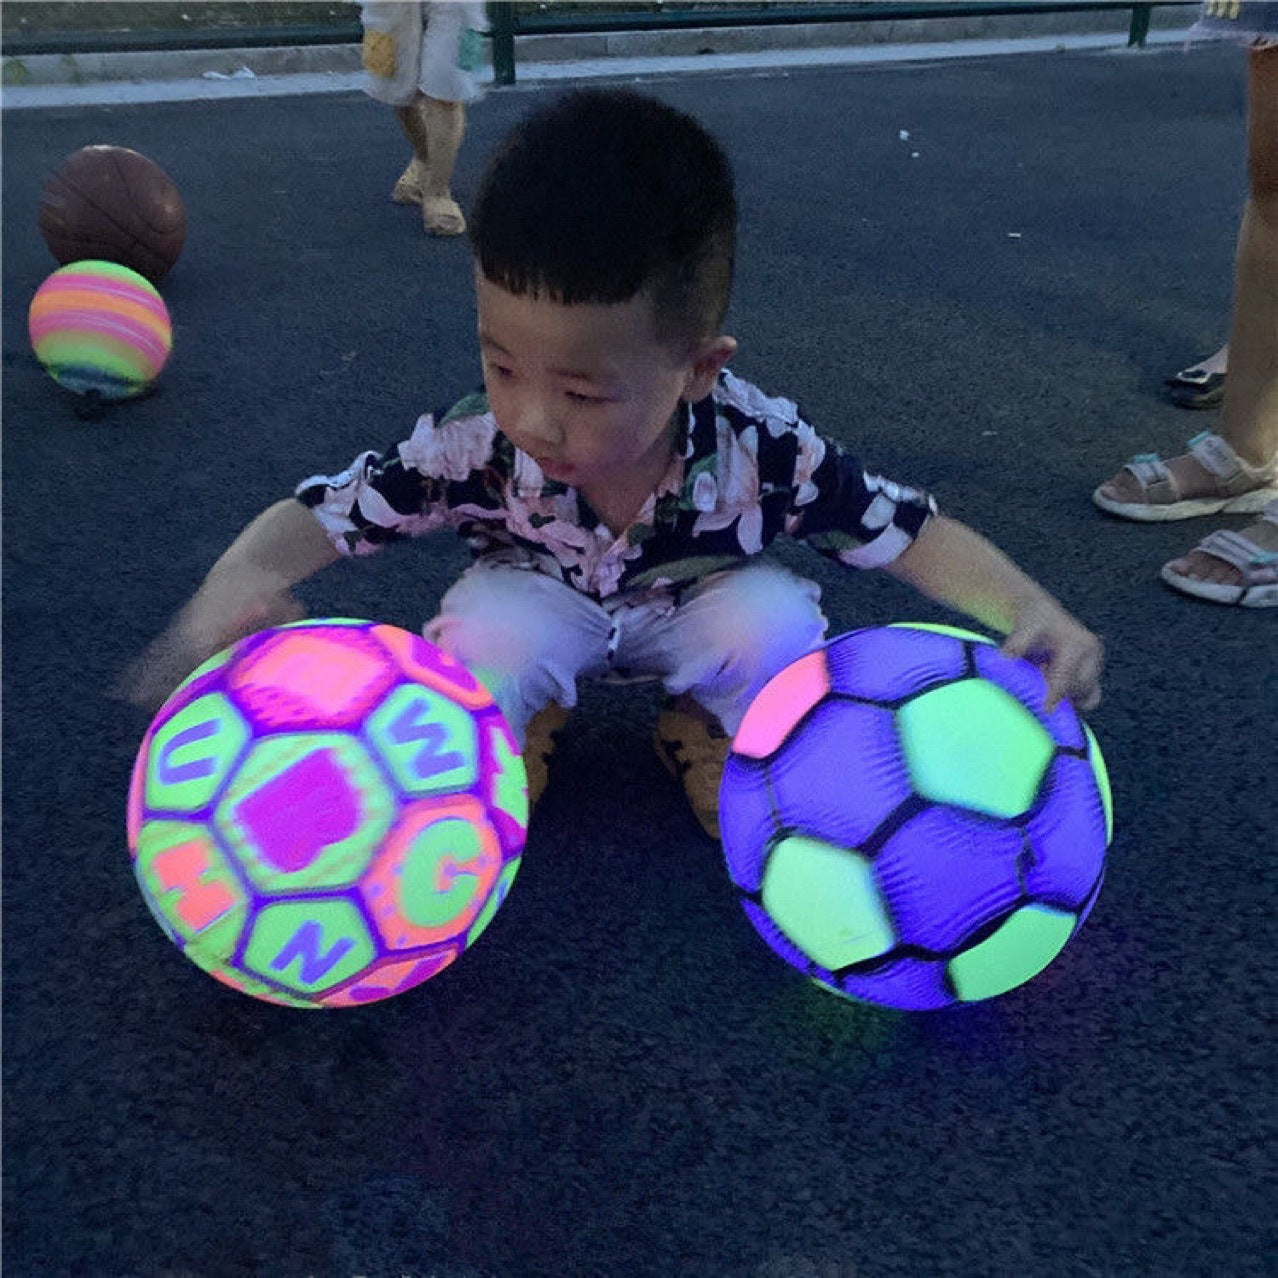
[553, 469]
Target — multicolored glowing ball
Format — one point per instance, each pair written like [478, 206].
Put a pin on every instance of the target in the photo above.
[327, 813]
[906, 823]
[100, 328]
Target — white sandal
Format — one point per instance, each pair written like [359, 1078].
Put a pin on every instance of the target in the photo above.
[1258, 568]
[1241, 489]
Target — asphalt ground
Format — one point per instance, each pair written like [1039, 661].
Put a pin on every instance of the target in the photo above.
[620, 1079]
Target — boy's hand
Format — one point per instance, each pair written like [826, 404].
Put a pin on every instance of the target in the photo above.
[213, 620]
[1069, 655]
[951, 563]
[248, 589]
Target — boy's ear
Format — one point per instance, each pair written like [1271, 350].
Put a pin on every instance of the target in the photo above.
[708, 360]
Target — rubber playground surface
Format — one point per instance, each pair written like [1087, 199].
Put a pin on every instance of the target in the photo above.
[978, 274]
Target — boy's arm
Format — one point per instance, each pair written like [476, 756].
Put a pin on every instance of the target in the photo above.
[285, 544]
[248, 589]
[953, 564]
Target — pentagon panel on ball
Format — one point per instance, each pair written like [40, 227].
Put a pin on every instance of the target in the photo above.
[907, 823]
[327, 813]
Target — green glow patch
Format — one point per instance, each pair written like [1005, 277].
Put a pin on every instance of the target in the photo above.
[824, 898]
[1101, 773]
[1026, 943]
[494, 901]
[972, 744]
[937, 628]
[190, 888]
[309, 945]
[321, 622]
[510, 784]
[192, 754]
[443, 873]
[429, 742]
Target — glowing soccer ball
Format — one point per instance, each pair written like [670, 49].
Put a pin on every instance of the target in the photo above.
[907, 824]
[327, 813]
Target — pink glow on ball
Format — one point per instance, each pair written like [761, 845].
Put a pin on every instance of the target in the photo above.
[780, 705]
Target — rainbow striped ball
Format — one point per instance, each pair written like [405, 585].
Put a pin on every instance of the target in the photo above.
[100, 328]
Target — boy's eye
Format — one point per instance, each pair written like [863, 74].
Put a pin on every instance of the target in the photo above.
[580, 397]
[500, 371]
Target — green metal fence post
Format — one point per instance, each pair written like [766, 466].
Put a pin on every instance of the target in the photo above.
[502, 16]
[1140, 24]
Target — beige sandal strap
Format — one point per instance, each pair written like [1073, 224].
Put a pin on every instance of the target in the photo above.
[1258, 567]
[1233, 475]
[1156, 481]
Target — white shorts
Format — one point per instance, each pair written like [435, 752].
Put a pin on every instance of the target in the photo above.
[529, 638]
[435, 47]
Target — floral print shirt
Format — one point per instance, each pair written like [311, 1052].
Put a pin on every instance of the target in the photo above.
[747, 468]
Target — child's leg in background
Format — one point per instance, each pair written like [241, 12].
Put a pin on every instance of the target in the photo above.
[391, 52]
[525, 636]
[451, 55]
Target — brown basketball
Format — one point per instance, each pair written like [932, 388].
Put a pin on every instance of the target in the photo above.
[112, 203]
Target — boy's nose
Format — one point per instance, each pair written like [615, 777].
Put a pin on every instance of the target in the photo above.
[538, 426]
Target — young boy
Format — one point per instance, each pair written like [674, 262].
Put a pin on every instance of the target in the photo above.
[615, 482]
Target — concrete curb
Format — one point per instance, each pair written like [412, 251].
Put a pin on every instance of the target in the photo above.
[102, 78]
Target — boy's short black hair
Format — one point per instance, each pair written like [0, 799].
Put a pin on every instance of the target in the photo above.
[605, 194]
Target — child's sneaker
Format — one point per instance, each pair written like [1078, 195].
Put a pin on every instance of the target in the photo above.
[694, 747]
[540, 738]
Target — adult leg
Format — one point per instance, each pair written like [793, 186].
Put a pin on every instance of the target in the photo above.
[432, 115]
[1250, 412]
[1249, 415]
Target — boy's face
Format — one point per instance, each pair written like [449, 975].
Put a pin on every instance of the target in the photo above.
[588, 390]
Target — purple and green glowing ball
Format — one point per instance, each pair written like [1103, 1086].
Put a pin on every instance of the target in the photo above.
[906, 823]
[327, 813]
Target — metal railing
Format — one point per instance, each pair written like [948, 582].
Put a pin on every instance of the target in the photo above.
[508, 21]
